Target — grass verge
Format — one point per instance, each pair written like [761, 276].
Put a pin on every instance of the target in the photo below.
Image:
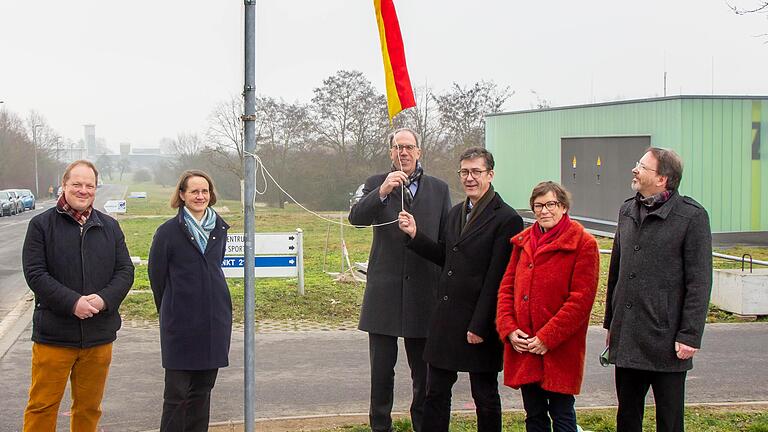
[699, 419]
[326, 300]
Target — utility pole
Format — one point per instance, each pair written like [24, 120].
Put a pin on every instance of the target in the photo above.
[34, 144]
[249, 168]
[58, 164]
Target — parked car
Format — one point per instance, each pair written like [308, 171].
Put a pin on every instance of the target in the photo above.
[7, 205]
[27, 198]
[16, 199]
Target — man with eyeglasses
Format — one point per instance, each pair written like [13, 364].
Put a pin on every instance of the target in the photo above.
[400, 289]
[76, 262]
[473, 251]
[659, 283]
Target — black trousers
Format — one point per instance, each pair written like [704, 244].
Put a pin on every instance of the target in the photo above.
[668, 392]
[541, 404]
[437, 407]
[383, 355]
[187, 400]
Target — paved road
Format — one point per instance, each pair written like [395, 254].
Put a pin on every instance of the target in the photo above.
[12, 230]
[326, 373]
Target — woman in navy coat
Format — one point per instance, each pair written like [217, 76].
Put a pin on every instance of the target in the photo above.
[193, 302]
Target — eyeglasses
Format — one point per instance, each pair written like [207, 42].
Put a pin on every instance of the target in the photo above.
[640, 165]
[400, 147]
[550, 205]
[475, 173]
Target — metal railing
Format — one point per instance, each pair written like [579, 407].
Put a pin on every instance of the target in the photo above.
[743, 259]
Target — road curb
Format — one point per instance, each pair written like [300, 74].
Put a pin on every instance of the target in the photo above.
[15, 322]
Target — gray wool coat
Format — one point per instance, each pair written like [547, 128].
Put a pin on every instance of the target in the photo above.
[659, 284]
[401, 286]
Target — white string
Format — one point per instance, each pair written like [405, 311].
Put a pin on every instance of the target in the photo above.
[402, 185]
[265, 173]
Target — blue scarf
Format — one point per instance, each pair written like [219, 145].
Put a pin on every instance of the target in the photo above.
[201, 230]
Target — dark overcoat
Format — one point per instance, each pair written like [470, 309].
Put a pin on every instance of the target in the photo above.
[659, 283]
[401, 286]
[473, 263]
[62, 262]
[191, 296]
[549, 294]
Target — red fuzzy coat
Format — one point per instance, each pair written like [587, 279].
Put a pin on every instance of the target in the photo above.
[549, 295]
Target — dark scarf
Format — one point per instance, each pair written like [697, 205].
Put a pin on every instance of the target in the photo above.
[80, 217]
[541, 238]
[414, 177]
[654, 201]
[474, 211]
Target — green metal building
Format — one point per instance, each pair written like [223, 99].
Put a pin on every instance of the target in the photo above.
[591, 149]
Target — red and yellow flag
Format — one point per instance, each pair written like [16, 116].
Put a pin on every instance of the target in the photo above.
[399, 90]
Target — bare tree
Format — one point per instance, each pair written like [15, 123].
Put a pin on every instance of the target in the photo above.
[186, 145]
[424, 118]
[463, 110]
[350, 118]
[225, 134]
[760, 6]
[124, 164]
[541, 103]
[105, 165]
[46, 136]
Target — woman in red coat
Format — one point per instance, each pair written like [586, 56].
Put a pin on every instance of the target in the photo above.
[543, 310]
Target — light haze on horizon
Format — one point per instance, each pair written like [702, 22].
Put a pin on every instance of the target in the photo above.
[144, 70]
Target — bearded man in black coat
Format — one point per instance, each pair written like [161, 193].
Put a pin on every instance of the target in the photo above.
[473, 251]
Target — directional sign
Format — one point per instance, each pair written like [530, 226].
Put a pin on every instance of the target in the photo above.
[115, 206]
[266, 266]
[265, 244]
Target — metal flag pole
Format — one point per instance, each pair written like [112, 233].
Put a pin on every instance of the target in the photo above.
[249, 169]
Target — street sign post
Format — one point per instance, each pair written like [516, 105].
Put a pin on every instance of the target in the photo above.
[276, 255]
[115, 206]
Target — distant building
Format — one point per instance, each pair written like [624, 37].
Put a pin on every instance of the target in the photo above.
[125, 149]
[146, 151]
[90, 140]
[591, 150]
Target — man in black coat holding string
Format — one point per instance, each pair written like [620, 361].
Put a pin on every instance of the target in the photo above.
[401, 286]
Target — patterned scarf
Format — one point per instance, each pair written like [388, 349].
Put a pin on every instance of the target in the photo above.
[413, 178]
[80, 217]
[654, 200]
[201, 230]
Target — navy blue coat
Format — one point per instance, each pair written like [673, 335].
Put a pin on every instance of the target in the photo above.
[191, 295]
[62, 262]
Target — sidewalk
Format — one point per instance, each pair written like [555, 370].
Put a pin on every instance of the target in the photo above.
[323, 373]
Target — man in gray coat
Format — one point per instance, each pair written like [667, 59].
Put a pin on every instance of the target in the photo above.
[401, 286]
[659, 284]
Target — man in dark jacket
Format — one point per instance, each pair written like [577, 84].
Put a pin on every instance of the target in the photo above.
[659, 284]
[400, 289]
[76, 262]
[473, 251]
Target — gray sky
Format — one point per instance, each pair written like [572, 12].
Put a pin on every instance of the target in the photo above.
[143, 70]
